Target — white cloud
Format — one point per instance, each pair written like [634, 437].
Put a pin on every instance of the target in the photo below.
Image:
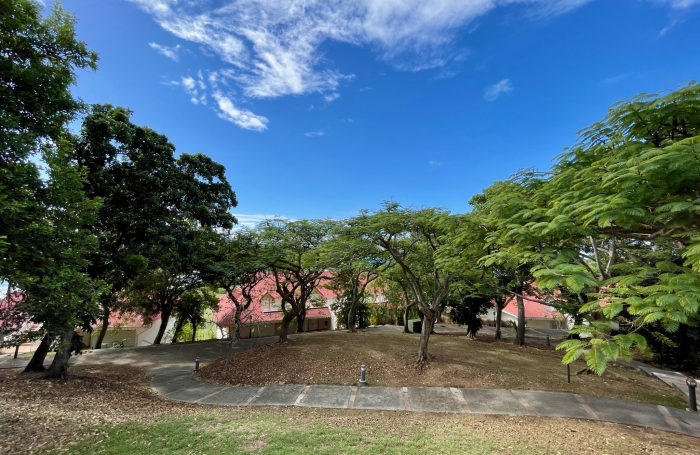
[496, 89]
[446, 74]
[435, 163]
[331, 96]
[243, 118]
[678, 4]
[314, 133]
[170, 52]
[195, 88]
[614, 79]
[251, 221]
[273, 45]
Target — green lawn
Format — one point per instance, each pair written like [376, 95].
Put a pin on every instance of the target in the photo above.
[265, 434]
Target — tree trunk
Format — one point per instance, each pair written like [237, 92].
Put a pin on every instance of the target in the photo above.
[59, 366]
[301, 319]
[16, 351]
[499, 314]
[194, 331]
[237, 324]
[165, 317]
[405, 318]
[178, 330]
[351, 317]
[103, 330]
[426, 330]
[284, 329]
[436, 319]
[36, 364]
[520, 334]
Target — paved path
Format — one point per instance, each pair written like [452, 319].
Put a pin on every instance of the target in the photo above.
[171, 366]
[671, 378]
[184, 386]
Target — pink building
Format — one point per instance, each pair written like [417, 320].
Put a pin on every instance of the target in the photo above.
[264, 316]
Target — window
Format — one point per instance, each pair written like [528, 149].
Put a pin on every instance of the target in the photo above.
[269, 305]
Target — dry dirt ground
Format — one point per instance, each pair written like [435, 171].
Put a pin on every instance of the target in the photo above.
[105, 403]
[335, 358]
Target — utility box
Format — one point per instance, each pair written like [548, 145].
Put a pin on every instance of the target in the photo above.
[415, 325]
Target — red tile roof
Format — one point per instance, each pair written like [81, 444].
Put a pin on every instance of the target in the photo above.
[533, 309]
[129, 320]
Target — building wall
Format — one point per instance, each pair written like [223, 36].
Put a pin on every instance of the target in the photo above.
[23, 348]
[533, 323]
[505, 317]
[132, 336]
[270, 329]
[147, 334]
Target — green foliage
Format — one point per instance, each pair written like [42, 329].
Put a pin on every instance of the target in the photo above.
[42, 235]
[467, 310]
[294, 253]
[38, 59]
[193, 306]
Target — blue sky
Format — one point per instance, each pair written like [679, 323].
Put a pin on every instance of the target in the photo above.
[319, 108]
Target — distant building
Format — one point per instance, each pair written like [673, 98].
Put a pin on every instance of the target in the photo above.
[264, 316]
[9, 331]
[129, 328]
[537, 315]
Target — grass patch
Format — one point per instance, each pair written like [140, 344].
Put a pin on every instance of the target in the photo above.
[294, 431]
[335, 358]
[266, 435]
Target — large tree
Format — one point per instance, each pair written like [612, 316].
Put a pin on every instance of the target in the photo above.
[412, 238]
[511, 251]
[153, 206]
[293, 252]
[632, 183]
[358, 264]
[57, 292]
[237, 266]
[41, 239]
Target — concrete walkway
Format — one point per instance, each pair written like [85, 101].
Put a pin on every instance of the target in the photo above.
[671, 378]
[184, 386]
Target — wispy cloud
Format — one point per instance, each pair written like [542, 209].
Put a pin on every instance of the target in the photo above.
[364, 89]
[314, 133]
[224, 105]
[195, 88]
[664, 30]
[446, 74]
[170, 52]
[241, 117]
[678, 13]
[271, 47]
[493, 92]
[614, 79]
[331, 96]
[678, 4]
[435, 163]
[252, 220]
